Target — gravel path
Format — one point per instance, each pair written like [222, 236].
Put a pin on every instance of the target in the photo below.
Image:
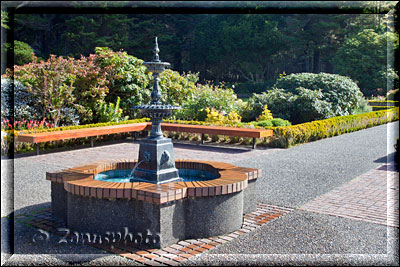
[291, 178]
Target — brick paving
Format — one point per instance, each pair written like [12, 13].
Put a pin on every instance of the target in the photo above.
[169, 256]
[371, 197]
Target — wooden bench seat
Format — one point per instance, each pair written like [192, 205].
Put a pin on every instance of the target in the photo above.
[217, 130]
[37, 138]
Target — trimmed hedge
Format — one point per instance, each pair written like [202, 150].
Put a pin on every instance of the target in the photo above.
[376, 108]
[287, 136]
[381, 103]
[311, 131]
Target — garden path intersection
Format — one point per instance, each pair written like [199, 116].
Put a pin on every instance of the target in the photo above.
[333, 201]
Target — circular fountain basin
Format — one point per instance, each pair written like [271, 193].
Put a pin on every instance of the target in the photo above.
[185, 175]
[210, 200]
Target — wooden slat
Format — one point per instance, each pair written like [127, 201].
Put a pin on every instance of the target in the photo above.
[77, 133]
[217, 130]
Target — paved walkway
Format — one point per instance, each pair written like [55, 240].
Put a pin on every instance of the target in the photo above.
[336, 197]
[371, 197]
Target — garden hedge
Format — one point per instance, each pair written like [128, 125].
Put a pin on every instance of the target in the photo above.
[311, 131]
[389, 103]
[287, 136]
[376, 108]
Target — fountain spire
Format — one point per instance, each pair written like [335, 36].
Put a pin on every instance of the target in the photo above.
[156, 51]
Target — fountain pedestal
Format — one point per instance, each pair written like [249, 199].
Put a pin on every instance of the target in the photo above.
[157, 161]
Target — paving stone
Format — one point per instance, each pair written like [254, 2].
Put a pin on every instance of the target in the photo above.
[364, 198]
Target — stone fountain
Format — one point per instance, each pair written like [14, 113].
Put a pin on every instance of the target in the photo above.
[156, 153]
[165, 201]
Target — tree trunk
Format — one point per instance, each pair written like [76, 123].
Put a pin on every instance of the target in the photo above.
[316, 59]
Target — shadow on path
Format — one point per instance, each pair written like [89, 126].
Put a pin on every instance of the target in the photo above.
[28, 241]
[387, 159]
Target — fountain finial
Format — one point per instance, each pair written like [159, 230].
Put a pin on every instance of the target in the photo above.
[156, 51]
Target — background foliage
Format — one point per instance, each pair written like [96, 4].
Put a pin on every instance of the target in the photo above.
[249, 49]
[306, 97]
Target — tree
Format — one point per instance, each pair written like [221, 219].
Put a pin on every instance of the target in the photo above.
[85, 32]
[363, 58]
[312, 40]
[241, 46]
[23, 53]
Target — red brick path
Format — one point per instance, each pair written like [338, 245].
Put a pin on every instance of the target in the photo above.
[371, 197]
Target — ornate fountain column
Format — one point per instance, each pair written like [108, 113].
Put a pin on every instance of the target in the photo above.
[156, 153]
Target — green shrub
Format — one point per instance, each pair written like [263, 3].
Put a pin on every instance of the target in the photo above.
[126, 78]
[271, 123]
[177, 89]
[23, 53]
[305, 97]
[263, 124]
[129, 79]
[341, 92]
[280, 122]
[111, 112]
[309, 105]
[277, 100]
[219, 98]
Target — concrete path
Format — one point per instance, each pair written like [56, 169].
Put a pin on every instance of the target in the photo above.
[313, 179]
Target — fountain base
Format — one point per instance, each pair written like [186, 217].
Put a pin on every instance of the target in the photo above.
[154, 215]
[157, 161]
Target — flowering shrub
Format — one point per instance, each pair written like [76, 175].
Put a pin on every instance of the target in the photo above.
[62, 86]
[73, 91]
[8, 125]
[218, 118]
[10, 128]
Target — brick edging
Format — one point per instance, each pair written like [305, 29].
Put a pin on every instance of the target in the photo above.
[80, 181]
